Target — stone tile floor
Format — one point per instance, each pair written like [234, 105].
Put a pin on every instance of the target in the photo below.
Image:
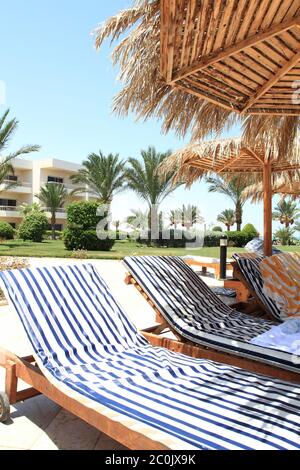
[39, 424]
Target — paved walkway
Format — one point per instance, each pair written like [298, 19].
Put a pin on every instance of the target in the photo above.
[40, 424]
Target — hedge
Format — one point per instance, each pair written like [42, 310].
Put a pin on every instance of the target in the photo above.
[6, 231]
[180, 238]
[83, 215]
[33, 227]
[251, 230]
[169, 239]
[77, 239]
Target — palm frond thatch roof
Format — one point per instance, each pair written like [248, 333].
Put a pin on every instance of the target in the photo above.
[243, 56]
[146, 93]
[229, 157]
[282, 186]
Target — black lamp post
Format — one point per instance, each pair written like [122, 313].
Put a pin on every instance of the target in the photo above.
[223, 256]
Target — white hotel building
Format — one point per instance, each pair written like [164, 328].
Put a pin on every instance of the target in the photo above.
[30, 176]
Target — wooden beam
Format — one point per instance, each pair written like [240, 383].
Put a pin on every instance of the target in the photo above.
[255, 155]
[267, 182]
[168, 27]
[274, 79]
[202, 95]
[235, 48]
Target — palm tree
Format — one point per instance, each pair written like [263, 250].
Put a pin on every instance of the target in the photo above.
[104, 176]
[286, 212]
[175, 217]
[26, 209]
[53, 196]
[190, 216]
[227, 218]
[285, 235]
[234, 189]
[8, 128]
[137, 219]
[144, 179]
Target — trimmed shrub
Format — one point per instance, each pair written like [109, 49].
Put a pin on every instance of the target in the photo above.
[6, 231]
[81, 233]
[167, 239]
[83, 215]
[77, 239]
[239, 239]
[33, 227]
[212, 239]
[235, 239]
[217, 229]
[250, 230]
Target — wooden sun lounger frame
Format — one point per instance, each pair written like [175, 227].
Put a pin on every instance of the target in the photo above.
[156, 336]
[208, 264]
[26, 370]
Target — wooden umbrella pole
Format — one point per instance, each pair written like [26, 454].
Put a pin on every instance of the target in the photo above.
[267, 208]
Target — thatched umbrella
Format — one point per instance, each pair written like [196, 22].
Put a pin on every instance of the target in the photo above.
[281, 186]
[141, 56]
[234, 157]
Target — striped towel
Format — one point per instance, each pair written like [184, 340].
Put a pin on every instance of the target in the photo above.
[86, 345]
[281, 279]
[198, 314]
[250, 267]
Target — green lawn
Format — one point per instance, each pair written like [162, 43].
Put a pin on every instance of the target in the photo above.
[56, 249]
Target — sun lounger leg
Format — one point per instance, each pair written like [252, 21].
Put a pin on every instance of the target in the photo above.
[11, 382]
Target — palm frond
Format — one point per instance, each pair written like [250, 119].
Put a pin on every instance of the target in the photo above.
[144, 93]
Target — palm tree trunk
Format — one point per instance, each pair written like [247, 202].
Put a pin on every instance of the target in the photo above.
[53, 222]
[228, 228]
[239, 215]
[154, 222]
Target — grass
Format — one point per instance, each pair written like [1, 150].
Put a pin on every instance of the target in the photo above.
[56, 249]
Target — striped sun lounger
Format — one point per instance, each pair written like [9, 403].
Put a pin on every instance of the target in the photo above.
[250, 269]
[88, 348]
[192, 309]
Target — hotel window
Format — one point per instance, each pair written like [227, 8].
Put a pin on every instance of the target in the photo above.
[8, 203]
[55, 179]
[11, 178]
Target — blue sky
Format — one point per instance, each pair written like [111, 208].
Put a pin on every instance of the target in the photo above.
[61, 91]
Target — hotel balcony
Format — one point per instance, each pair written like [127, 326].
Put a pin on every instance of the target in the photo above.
[22, 187]
[69, 187]
[60, 213]
[10, 211]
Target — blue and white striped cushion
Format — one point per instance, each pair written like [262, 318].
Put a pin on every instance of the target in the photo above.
[251, 271]
[257, 246]
[195, 312]
[85, 342]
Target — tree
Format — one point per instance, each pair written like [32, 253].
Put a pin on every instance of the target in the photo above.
[286, 212]
[7, 130]
[104, 176]
[144, 179]
[227, 218]
[138, 220]
[187, 216]
[234, 189]
[53, 196]
[26, 209]
[190, 216]
[175, 217]
[285, 235]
